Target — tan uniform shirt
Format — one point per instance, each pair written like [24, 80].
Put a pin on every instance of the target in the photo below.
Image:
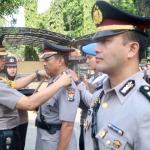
[130, 113]
[56, 110]
[8, 100]
[23, 114]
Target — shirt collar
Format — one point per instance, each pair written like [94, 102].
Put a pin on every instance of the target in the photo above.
[52, 79]
[116, 89]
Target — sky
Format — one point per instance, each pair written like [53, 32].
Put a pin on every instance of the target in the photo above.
[43, 5]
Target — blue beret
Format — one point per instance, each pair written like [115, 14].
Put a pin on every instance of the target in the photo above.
[89, 49]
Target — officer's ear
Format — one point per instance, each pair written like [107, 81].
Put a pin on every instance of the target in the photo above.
[133, 49]
[60, 61]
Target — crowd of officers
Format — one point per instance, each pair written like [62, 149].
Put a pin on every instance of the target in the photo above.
[114, 101]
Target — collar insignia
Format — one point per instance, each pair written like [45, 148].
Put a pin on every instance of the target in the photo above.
[127, 87]
[97, 15]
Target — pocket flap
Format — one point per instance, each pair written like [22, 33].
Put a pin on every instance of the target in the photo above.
[50, 137]
[51, 102]
[111, 140]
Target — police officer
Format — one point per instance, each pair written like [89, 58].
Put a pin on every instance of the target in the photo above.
[55, 120]
[120, 112]
[86, 94]
[11, 100]
[10, 70]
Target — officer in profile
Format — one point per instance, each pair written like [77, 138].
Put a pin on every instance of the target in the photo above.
[119, 117]
[10, 70]
[55, 120]
[11, 100]
[86, 92]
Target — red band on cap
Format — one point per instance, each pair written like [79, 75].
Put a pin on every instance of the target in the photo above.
[58, 52]
[48, 50]
[118, 22]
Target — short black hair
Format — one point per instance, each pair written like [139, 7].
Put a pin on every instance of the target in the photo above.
[138, 37]
[65, 57]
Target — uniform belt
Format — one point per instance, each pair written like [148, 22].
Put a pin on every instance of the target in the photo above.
[47, 126]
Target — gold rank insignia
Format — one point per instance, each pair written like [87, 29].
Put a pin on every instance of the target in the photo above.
[146, 87]
[127, 87]
[71, 94]
[116, 143]
[86, 123]
[148, 93]
[145, 90]
[97, 15]
[102, 133]
[95, 102]
[8, 140]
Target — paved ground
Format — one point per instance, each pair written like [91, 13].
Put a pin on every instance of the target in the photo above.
[31, 133]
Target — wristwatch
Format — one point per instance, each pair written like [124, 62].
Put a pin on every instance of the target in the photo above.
[37, 74]
[78, 81]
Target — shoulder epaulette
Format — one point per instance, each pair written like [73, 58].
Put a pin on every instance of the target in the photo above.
[9, 82]
[98, 88]
[145, 90]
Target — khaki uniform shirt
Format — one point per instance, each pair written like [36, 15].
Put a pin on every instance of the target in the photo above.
[56, 110]
[130, 113]
[23, 114]
[8, 100]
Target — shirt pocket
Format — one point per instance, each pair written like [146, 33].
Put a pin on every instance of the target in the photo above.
[111, 140]
[50, 137]
[51, 102]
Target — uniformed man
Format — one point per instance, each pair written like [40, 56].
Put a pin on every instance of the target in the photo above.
[10, 70]
[11, 100]
[55, 120]
[120, 112]
[86, 93]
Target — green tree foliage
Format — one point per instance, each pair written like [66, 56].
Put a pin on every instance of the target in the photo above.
[8, 7]
[73, 17]
[31, 21]
[143, 7]
[2, 22]
[128, 5]
[30, 54]
[56, 23]
[31, 14]
[88, 25]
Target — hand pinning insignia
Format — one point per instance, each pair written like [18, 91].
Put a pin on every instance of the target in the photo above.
[127, 87]
[71, 94]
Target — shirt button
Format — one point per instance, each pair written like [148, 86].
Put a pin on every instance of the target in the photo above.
[107, 142]
[51, 138]
[104, 105]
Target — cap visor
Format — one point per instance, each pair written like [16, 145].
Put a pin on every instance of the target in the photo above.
[107, 33]
[47, 55]
[3, 53]
[11, 65]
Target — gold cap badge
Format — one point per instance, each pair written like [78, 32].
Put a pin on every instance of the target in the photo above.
[97, 15]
